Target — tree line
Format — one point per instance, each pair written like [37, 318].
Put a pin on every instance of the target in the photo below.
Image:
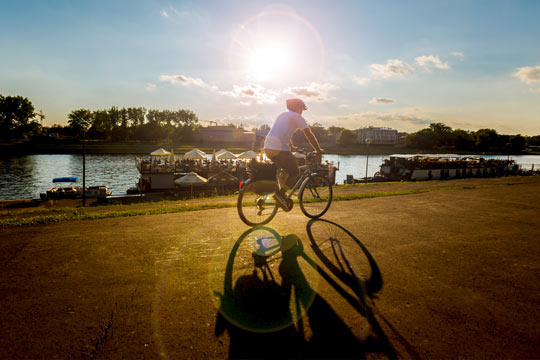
[18, 120]
[440, 137]
[132, 123]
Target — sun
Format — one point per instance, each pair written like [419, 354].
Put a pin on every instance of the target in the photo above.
[268, 62]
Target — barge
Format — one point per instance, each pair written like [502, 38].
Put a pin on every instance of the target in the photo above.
[442, 166]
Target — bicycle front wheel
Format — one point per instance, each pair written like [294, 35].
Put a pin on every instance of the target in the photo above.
[256, 206]
[315, 196]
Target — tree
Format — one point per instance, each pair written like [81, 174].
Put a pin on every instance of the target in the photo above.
[422, 139]
[320, 132]
[463, 140]
[486, 139]
[16, 116]
[441, 133]
[346, 138]
[75, 117]
[517, 143]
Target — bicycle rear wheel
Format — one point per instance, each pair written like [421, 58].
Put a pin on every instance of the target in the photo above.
[315, 196]
[255, 205]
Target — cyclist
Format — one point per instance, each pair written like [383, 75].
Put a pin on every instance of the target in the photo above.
[278, 146]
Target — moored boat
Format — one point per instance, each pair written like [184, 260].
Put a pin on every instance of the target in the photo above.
[442, 166]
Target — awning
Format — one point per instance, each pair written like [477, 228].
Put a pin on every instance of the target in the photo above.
[195, 154]
[65, 179]
[227, 155]
[160, 152]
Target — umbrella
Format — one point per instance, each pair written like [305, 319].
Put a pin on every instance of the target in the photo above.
[221, 151]
[160, 152]
[190, 179]
[226, 155]
[250, 154]
[194, 154]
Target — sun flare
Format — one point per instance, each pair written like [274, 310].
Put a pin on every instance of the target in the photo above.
[267, 62]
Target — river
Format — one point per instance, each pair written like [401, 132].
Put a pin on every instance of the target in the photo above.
[25, 177]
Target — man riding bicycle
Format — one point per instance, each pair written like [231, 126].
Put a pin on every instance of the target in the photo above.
[278, 146]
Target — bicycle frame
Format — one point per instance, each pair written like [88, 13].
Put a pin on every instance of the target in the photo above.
[303, 176]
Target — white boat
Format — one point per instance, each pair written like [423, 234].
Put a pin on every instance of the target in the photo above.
[73, 191]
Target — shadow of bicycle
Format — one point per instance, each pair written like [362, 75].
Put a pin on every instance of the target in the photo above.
[271, 310]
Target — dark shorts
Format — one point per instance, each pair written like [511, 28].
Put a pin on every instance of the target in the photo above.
[286, 161]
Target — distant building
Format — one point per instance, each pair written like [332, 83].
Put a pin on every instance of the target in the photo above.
[226, 135]
[378, 135]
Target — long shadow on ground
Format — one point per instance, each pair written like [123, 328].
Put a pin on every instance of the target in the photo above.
[268, 305]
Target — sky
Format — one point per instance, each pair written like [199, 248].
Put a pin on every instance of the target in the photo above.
[399, 64]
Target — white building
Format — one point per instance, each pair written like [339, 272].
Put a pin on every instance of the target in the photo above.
[378, 135]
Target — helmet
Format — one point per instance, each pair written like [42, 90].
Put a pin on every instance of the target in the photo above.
[293, 104]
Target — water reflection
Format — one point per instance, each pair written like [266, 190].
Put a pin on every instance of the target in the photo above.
[28, 176]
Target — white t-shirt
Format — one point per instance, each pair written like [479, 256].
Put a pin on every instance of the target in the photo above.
[283, 129]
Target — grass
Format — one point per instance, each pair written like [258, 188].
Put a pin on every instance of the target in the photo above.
[48, 216]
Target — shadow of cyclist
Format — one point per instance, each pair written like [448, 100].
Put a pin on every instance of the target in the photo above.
[254, 307]
[256, 311]
[331, 337]
[344, 255]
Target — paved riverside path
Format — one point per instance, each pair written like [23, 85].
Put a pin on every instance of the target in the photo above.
[443, 274]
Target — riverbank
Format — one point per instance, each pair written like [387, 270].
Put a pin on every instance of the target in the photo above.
[70, 146]
[447, 273]
[27, 212]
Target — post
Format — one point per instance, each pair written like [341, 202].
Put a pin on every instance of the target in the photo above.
[508, 145]
[368, 141]
[83, 125]
[84, 170]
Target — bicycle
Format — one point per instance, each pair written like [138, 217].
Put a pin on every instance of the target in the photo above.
[256, 204]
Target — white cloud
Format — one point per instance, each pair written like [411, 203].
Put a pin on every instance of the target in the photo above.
[528, 74]
[535, 91]
[344, 106]
[313, 91]
[457, 54]
[372, 118]
[253, 92]
[381, 101]
[427, 62]
[185, 81]
[164, 14]
[150, 87]
[392, 68]
[361, 80]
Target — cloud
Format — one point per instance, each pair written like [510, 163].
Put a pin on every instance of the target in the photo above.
[528, 74]
[313, 91]
[381, 101]
[392, 68]
[457, 54]
[164, 14]
[253, 92]
[361, 80]
[379, 119]
[427, 62]
[150, 87]
[535, 91]
[185, 81]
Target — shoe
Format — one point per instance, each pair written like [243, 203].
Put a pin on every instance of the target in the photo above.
[282, 201]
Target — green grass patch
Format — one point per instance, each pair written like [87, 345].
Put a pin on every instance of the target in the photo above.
[83, 214]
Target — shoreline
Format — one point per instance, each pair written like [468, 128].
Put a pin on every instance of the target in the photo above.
[70, 146]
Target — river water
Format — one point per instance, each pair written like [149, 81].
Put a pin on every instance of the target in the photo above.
[25, 177]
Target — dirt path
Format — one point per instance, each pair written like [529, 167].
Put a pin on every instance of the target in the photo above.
[441, 274]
